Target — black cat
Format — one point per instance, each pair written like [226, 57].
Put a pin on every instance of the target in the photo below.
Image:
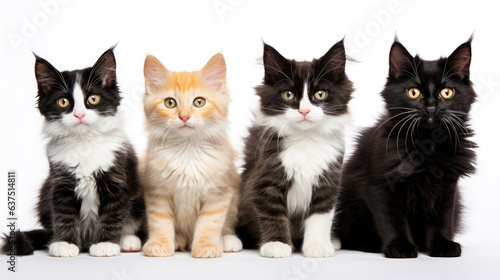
[91, 200]
[399, 191]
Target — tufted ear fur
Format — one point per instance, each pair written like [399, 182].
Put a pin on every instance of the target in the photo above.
[214, 72]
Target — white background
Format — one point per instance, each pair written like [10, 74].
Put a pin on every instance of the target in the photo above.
[184, 35]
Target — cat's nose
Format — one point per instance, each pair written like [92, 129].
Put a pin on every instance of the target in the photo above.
[430, 110]
[184, 118]
[79, 116]
[304, 112]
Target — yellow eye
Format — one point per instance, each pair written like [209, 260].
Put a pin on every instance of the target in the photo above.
[447, 93]
[413, 93]
[288, 95]
[199, 102]
[63, 102]
[170, 103]
[320, 95]
[94, 99]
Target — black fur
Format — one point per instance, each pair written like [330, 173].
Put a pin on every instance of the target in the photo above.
[263, 213]
[119, 194]
[399, 191]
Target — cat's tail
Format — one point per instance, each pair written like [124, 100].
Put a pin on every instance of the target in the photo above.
[21, 243]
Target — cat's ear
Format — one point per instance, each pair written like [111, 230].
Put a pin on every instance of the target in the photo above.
[47, 76]
[275, 65]
[458, 62]
[333, 62]
[155, 74]
[400, 60]
[104, 70]
[214, 72]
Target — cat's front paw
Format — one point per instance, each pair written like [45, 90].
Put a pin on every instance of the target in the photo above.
[318, 249]
[63, 249]
[232, 243]
[445, 249]
[130, 243]
[276, 249]
[336, 243]
[154, 248]
[206, 251]
[400, 249]
[104, 249]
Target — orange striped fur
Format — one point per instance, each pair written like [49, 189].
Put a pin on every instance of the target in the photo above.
[188, 169]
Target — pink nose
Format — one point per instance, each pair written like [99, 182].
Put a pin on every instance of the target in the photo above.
[304, 112]
[184, 118]
[79, 116]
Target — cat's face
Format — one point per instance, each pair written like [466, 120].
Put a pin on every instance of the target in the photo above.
[304, 95]
[80, 101]
[185, 102]
[426, 93]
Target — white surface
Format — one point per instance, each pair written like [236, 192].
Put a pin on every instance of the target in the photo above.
[476, 263]
[184, 35]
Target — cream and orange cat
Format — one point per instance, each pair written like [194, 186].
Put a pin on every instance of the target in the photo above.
[188, 169]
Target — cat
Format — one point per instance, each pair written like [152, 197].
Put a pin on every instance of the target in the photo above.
[91, 200]
[191, 182]
[294, 154]
[399, 191]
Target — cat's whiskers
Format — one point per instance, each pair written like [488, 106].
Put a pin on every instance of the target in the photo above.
[390, 132]
[463, 128]
[413, 132]
[403, 113]
[397, 136]
[457, 138]
[410, 129]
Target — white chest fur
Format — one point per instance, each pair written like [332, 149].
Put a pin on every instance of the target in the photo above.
[305, 157]
[85, 156]
[190, 166]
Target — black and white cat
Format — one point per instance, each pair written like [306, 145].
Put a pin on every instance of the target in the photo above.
[294, 154]
[91, 200]
[399, 190]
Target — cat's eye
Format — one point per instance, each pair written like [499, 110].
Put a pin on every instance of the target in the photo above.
[288, 95]
[170, 103]
[63, 102]
[94, 99]
[199, 102]
[413, 93]
[320, 95]
[447, 93]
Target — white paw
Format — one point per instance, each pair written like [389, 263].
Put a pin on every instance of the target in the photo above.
[104, 249]
[63, 249]
[130, 243]
[232, 243]
[276, 250]
[318, 249]
[336, 243]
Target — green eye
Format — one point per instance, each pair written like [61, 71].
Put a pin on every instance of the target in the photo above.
[63, 102]
[199, 102]
[288, 95]
[170, 103]
[320, 95]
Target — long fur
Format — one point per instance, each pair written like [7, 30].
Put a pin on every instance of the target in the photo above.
[293, 162]
[399, 191]
[91, 198]
[188, 169]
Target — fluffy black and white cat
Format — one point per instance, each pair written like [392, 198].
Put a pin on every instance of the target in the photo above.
[399, 190]
[91, 200]
[294, 154]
